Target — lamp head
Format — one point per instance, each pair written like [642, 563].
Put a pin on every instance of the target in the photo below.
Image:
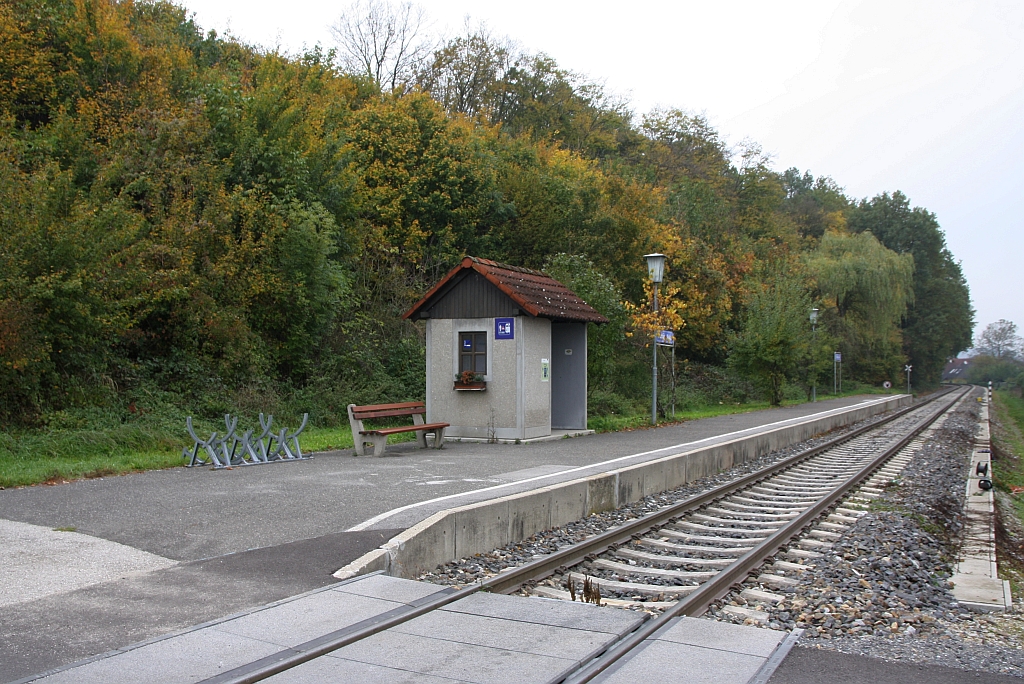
[814, 316]
[655, 266]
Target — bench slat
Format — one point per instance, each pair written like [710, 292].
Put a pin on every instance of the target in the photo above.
[406, 428]
[400, 405]
[385, 414]
[388, 410]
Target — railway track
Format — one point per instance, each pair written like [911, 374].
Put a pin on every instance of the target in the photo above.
[678, 560]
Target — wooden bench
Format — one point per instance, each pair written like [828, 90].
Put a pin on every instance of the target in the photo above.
[379, 438]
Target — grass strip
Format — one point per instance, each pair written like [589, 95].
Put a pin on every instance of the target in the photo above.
[105, 446]
[38, 457]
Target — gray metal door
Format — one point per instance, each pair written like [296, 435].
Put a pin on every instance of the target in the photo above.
[568, 375]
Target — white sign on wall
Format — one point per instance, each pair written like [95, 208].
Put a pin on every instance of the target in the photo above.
[545, 370]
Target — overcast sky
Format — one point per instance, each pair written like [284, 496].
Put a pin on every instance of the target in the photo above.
[922, 96]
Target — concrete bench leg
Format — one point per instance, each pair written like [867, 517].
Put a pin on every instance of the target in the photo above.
[439, 438]
[380, 442]
[421, 438]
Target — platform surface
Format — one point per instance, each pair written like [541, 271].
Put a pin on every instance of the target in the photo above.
[485, 638]
[218, 542]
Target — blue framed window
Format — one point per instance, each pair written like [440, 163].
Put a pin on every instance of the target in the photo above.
[473, 352]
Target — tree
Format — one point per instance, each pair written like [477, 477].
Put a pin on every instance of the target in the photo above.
[814, 205]
[383, 41]
[864, 289]
[467, 75]
[774, 337]
[604, 342]
[1000, 340]
[984, 369]
[940, 321]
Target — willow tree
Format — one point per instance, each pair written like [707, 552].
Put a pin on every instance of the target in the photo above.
[864, 289]
[940, 321]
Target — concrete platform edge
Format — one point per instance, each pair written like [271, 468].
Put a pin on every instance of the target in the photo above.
[976, 583]
[186, 630]
[480, 527]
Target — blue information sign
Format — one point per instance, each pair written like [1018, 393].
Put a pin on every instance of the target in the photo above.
[504, 328]
[665, 338]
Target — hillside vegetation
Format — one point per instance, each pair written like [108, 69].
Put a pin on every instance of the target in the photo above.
[192, 224]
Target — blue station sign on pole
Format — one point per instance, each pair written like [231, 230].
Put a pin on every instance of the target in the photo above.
[666, 338]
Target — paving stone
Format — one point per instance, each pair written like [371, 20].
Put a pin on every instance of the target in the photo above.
[188, 657]
[324, 670]
[454, 660]
[723, 636]
[668, 663]
[389, 588]
[545, 640]
[307, 618]
[558, 613]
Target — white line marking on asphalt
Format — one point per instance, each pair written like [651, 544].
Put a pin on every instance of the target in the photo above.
[383, 516]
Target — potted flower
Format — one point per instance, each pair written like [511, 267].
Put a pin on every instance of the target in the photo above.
[470, 381]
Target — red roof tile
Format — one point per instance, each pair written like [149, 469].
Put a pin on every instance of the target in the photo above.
[534, 292]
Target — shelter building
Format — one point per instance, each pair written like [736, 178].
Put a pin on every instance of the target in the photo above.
[506, 352]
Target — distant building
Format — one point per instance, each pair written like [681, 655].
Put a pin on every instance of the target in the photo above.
[506, 352]
[955, 370]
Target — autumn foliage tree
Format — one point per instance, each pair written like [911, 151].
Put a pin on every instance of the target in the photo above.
[191, 220]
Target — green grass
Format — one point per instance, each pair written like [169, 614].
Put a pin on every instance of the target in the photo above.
[108, 447]
[632, 421]
[614, 423]
[1010, 411]
[93, 443]
[1008, 471]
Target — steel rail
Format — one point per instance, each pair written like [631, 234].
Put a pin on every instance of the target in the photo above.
[511, 579]
[698, 601]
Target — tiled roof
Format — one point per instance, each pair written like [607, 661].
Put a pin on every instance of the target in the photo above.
[955, 368]
[534, 292]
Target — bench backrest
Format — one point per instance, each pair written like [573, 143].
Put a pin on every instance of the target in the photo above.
[407, 408]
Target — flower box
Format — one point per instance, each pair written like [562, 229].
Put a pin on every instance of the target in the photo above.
[475, 386]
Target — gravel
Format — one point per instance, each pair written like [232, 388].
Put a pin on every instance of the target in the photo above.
[883, 589]
[468, 570]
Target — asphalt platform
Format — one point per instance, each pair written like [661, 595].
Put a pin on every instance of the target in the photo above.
[96, 565]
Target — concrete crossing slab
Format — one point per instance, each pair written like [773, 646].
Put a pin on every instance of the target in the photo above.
[694, 651]
[540, 611]
[489, 638]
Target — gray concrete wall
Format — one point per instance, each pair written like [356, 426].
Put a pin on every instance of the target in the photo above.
[536, 392]
[481, 527]
[516, 404]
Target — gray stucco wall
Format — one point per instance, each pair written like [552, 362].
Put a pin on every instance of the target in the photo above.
[537, 393]
[516, 404]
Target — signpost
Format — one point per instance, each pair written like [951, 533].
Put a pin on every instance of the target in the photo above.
[837, 372]
[908, 369]
[814, 347]
[667, 338]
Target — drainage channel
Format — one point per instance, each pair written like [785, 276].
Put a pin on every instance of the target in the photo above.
[718, 537]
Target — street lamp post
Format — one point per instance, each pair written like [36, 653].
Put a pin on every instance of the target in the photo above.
[656, 271]
[814, 347]
[908, 368]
